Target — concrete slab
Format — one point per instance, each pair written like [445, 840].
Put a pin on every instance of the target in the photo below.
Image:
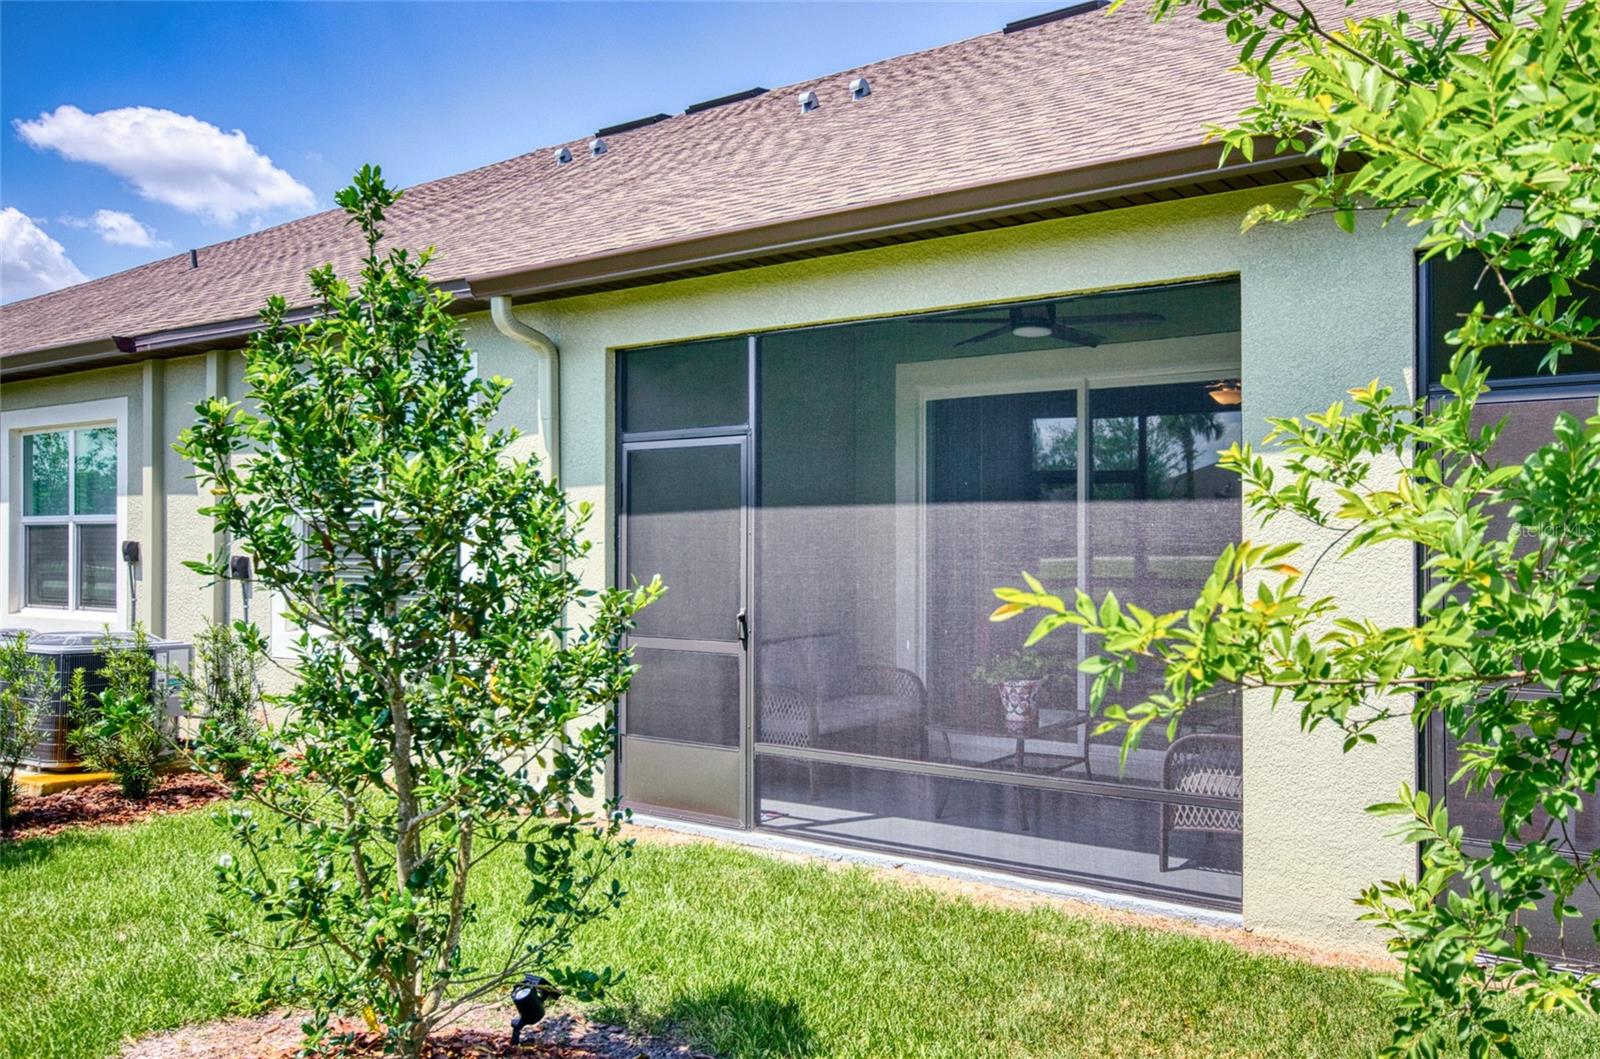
[32, 784]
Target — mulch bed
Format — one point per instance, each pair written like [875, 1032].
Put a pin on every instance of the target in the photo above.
[102, 804]
[484, 1033]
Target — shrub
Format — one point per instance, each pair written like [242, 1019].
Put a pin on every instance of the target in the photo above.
[224, 693]
[122, 728]
[27, 684]
[446, 707]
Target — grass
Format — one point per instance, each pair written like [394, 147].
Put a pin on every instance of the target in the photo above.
[102, 936]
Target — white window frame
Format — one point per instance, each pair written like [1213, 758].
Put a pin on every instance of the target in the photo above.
[14, 426]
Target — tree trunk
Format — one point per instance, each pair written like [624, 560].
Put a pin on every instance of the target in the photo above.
[406, 853]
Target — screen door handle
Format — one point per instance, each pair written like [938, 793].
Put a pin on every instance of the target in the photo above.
[744, 628]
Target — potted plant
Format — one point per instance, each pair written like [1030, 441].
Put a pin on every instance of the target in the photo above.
[1018, 675]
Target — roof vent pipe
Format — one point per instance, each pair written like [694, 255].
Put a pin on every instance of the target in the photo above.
[194, 259]
[860, 88]
[597, 147]
[808, 101]
[549, 382]
[564, 156]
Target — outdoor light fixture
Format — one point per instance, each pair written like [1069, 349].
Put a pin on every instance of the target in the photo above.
[130, 557]
[1226, 392]
[239, 569]
[529, 997]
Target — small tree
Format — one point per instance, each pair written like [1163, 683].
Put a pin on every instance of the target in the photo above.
[444, 709]
[224, 694]
[1477, 125]
[27, 684]
[123, 728]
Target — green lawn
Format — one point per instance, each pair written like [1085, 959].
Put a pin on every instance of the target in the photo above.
[102, 935]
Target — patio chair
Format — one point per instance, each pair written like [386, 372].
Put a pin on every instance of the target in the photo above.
[1206, 763]
[882, 696]
[812, 694]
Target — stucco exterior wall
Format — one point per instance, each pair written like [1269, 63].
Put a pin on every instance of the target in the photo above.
[1322, 311]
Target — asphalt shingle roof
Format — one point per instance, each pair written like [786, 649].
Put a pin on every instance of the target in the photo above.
[1075, 93]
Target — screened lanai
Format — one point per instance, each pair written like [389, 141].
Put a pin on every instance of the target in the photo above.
[831, 509]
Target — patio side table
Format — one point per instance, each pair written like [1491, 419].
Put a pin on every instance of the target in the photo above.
[1053, 726]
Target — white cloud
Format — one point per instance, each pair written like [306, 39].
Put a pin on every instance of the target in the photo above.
[115, 226]
[171, 158]
[30, 261]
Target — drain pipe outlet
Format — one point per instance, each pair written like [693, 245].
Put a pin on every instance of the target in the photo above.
[506, 322]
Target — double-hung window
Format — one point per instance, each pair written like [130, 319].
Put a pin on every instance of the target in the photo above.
[66, 511]
[69, 518]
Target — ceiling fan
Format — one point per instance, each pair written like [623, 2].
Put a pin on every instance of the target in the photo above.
[1041, 321]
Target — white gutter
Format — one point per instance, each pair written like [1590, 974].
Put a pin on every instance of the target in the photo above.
[549, 383]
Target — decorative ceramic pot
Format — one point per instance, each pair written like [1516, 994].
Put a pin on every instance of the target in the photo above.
[1019, 700]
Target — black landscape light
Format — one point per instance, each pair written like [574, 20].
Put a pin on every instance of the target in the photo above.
[529, 997]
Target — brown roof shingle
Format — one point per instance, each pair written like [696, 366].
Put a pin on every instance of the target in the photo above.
[1079, 92]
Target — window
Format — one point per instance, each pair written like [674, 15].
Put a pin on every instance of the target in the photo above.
[1529, 401]
[65, 509]
[1450, 289]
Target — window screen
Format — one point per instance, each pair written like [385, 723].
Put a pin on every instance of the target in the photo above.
[1453, 288]
[686, 386]
[1111, 842]
[1528, 426]
[685, 523]
[692, 697]
[905, 469]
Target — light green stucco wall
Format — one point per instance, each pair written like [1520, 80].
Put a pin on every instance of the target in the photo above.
[1321, 312]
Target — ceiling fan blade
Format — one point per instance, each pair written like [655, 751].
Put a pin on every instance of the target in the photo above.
[1003, 329]
[1075, 336]
[959, 319]
[1113, 318]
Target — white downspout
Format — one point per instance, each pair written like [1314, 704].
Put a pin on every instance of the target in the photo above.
[549, 383]
[549, 356]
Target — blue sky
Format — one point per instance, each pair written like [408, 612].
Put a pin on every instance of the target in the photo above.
[119, 145]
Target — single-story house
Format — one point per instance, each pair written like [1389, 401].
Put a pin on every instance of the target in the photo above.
[836, 360]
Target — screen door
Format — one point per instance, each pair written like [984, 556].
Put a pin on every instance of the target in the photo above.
[686, 518]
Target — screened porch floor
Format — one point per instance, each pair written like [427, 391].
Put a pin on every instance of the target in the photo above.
[1097, 841]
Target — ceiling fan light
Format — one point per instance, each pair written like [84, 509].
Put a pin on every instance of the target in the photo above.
[1226, 392]
[1031, 331]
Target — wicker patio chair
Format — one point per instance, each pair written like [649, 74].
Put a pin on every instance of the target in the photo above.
[1210, 764]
